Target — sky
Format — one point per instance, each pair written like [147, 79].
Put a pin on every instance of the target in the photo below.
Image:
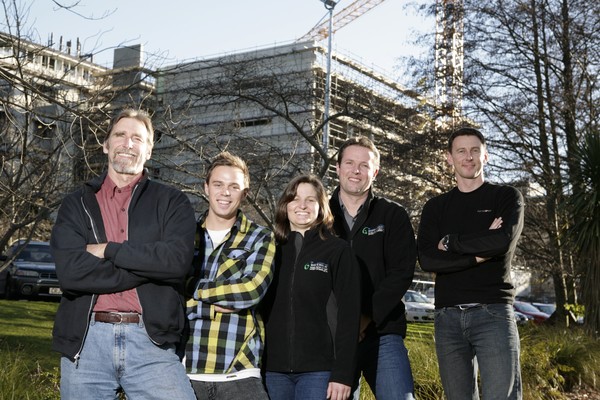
[178, 30]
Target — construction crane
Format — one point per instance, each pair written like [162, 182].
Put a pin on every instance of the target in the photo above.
[449, 55]
[449, 51]
[326, 30]
[341, 19]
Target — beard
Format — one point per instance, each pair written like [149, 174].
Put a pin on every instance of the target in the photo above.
[127, 166]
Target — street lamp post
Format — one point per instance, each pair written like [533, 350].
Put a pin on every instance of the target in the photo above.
[329, 5]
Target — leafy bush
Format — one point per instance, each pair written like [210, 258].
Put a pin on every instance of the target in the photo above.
[556, 360]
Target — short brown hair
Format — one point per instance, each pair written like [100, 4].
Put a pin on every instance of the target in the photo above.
[362, 141]
[226, 159]
[140, 115]
[464, 131]
[324, 219]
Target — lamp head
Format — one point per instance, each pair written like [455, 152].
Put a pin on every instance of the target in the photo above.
[329, 4]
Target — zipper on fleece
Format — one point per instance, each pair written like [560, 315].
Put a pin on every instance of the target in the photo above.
[91, 307]
[291, 295]
[87, 328]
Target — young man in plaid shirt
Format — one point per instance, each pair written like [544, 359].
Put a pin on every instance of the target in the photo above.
[232, 276]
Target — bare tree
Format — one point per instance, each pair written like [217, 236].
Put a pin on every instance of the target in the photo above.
[54, 108]
[268, 109]
[531, 80]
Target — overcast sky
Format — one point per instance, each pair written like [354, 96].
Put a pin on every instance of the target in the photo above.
[179, 30]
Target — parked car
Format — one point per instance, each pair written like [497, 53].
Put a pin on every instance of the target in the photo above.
[31, 272]
[548, 308]
[529, 309]
[521, 318]
[418, 307]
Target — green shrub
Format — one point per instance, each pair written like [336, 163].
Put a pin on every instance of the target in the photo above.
[556, 360]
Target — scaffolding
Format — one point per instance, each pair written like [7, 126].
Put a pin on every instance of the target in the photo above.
[449, 55]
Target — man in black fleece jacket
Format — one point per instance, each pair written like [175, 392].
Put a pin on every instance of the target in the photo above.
[468, 236]
[383, 240]
[123, 245]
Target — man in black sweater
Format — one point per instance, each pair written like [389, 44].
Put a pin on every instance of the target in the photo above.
[468, 236]
[383, 240]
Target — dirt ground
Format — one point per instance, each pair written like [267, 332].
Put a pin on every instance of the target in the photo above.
[584, 394]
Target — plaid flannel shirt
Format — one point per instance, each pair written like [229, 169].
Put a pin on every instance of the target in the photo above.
[235, 275]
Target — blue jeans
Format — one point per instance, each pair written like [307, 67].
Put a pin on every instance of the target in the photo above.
[484, 337]
[383, 361]
[300, 386]
[247, 389]
[123, 356]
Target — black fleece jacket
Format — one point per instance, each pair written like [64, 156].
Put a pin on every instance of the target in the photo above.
[303, 332]
[383, 240]
[154, 260]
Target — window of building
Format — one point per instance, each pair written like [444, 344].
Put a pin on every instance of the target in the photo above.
[252, 122]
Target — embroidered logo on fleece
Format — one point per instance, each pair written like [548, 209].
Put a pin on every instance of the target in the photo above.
[316, 266]
[372, 231]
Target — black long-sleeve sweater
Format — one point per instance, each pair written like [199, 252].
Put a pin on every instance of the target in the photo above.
[466, 218]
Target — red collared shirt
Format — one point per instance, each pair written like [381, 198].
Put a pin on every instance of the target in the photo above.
[114, 205]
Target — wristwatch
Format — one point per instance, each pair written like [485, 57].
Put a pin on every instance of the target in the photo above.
[445, 241]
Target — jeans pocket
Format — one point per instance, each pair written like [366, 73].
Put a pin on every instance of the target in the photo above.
[500, 311]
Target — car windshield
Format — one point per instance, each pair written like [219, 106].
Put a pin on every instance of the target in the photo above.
[415, 297]
[527, 307]
[547, 308]
[35, 253]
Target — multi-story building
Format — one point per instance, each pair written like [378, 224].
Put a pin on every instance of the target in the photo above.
[54, 104]
[266, 104]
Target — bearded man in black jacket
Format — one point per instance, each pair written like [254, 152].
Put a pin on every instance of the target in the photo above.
[383, 240]
[123, 245]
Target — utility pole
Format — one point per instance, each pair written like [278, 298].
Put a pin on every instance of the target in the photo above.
[326, 30]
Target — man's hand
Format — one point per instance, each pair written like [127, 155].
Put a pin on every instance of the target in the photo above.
[223, 310]
[496, 224]
[364, 323]
[96, 249]
[337, 391]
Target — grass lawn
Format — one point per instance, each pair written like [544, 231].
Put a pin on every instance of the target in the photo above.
[26, 327]
[554, 360]
[28, 366]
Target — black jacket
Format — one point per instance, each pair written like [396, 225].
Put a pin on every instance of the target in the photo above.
[155, 260]
[304, 332]
[384, 243]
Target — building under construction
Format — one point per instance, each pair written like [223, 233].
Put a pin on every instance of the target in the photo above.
[267, 104]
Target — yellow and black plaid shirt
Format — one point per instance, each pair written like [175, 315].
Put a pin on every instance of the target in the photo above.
[235, 275]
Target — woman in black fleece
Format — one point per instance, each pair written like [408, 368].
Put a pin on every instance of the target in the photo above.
[312, 308]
